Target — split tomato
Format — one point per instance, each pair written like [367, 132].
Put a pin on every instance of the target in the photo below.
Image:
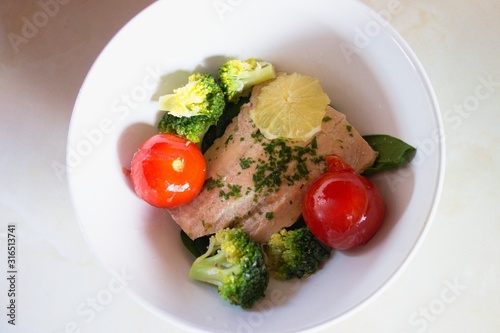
[343, 209]
[168, 171]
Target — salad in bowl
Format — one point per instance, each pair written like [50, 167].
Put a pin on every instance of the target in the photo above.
[255, 178]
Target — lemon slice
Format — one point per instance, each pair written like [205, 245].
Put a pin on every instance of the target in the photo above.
[291, 107]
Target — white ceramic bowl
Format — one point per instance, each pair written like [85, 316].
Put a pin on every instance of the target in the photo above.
[368, 71]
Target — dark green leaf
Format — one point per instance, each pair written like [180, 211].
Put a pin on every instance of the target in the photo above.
[392, 153]
[196, 246]
[216, 131]
[298, 224]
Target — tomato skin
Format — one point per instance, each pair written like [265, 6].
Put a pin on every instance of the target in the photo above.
[168, 171]
[343, 209]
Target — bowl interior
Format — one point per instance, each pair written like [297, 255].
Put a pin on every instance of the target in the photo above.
[370, 75]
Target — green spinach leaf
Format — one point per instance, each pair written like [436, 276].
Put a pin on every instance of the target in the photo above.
[392, 153]
[216, 131]
[196, 246]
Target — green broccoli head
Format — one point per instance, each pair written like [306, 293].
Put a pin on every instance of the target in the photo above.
[236, 77]
[192, 128]
[294, 254]
[235, 264]
[192, 108]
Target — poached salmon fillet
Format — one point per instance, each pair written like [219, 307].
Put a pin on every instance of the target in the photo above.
[258, 184]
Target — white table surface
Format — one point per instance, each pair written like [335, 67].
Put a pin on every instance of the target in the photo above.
[451, 285]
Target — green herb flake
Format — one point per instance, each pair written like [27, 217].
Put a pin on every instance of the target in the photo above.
[269, 215]
[212, 183]
[314, 143]
[245, 163]
[349, 129]
[229, 138]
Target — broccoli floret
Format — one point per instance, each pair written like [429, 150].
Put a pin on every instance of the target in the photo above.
[192, 128]
[294, 254]
[235, 264]
[236, 77]
[192, 108]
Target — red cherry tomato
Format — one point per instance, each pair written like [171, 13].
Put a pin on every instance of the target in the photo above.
[343, 209]
[168, 171]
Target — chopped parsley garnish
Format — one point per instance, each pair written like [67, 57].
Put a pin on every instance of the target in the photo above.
[272, 171]
[245, 163]
[349, 129]
[234, 192]
[314, 143]
[229, 138]
[281, 163]
[212, 183]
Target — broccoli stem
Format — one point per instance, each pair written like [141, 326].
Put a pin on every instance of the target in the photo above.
[212, 269]
[255, 77]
